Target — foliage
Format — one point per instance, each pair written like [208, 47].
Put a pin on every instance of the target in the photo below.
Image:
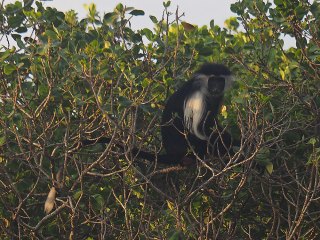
[66, 79]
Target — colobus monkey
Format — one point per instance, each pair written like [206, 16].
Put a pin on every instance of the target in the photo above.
[189, 117]
[189, 125]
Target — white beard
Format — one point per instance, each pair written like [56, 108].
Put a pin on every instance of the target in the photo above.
[195, 105]
[194, 108]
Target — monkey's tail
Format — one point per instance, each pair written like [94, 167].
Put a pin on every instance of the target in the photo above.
[152, 157]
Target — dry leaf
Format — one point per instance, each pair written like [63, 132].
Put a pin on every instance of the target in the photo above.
[48, 206]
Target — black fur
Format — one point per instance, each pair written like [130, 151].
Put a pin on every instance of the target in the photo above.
[177, 138]
[179, 133]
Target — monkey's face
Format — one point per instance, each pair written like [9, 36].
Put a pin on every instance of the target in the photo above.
[216, 85]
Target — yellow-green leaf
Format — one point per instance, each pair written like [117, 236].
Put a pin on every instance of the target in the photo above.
[269, 167]
[188, 27]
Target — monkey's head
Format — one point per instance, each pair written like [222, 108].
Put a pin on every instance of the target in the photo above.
[218, 77]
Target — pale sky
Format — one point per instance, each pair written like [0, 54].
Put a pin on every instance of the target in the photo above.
[198, 12]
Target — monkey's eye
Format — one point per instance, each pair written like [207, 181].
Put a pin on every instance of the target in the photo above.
[216, 85]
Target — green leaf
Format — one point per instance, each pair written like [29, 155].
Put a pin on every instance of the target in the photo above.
[43, 90]
[21, 30]
[301, 43]
[77, 195]
[124, 102]
[188, 27]
[300, 12]
[99, 200]
[234, 7]
[212, 24]
[20, 44]
[137, 12]
[42, 50]
[312, 141]
[110, 17]
[2, 140]
[51, 34]
[153, 19]
[229, 50]
[119, 7]
[278, 2]
[4, 55]
[148, 33]
[232, 23]
[71, 17]
[315, 9]
[269, 167]
[166, 4]
[170, 205]
[145, 82]
[205, 50]
[16, 36]
[176, 236]
[9, 68]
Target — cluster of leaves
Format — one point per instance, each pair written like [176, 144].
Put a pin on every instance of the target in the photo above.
[65, 79]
